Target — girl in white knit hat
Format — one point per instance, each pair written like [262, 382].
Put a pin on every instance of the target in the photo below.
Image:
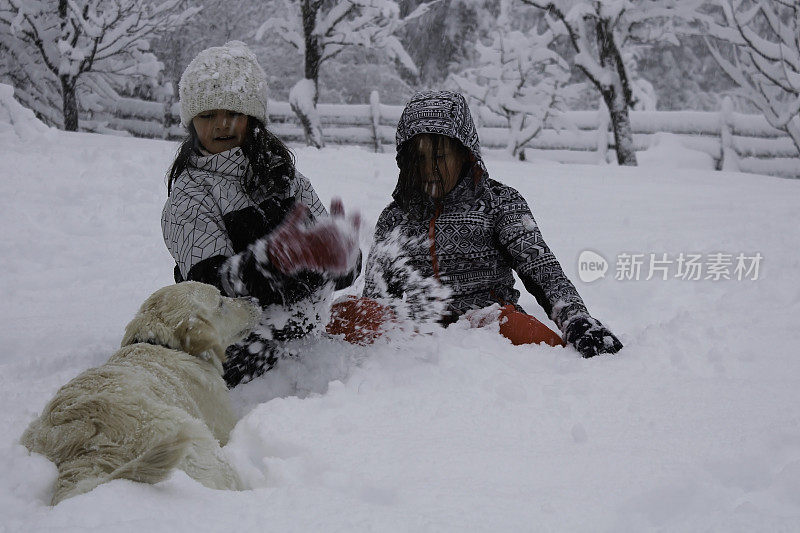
[240, 217]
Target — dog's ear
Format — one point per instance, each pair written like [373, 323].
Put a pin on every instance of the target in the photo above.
[199, 337]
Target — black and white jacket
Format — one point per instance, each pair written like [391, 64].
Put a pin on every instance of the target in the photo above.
[482, 230]
[214, 230]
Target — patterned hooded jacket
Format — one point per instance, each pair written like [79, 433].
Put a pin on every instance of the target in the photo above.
[474, 236]
[213, 230]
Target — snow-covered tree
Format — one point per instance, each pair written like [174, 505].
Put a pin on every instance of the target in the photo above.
[642, 91]
[757, 44]
[319, 30]
[685, 76]
[442, 42]
[89, 47]
[517, 77]
[218, 23]
[598, 30]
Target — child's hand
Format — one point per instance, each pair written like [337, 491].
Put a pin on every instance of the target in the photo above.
[330, 245]
[590, 337]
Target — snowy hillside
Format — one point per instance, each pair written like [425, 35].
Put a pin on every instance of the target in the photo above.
[693, 426]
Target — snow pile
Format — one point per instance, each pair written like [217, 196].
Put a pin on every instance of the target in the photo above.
[669, 151]
[17, 121]
[687, 428]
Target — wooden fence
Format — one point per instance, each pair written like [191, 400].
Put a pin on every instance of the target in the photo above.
[735, 141]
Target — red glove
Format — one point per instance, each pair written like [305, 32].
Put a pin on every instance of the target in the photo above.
[330, 245]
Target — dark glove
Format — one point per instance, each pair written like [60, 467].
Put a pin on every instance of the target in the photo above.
[590, 337]
[328, 246]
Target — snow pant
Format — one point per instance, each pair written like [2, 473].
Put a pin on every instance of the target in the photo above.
[362, 320]
[521, 328]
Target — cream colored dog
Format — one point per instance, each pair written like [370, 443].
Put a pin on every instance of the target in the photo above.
[158, 403]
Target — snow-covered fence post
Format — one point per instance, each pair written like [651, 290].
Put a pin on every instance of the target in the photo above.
[730, 158]
[602, 133]
[375, 115]
[168, 120]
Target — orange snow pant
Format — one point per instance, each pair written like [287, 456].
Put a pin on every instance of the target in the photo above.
[521, 328]
[362, 320]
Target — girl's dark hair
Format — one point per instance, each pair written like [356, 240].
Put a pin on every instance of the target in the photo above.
[409, 182]
[271, 162]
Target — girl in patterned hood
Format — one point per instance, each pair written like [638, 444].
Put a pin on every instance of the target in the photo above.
[240, 217]
[470, 231]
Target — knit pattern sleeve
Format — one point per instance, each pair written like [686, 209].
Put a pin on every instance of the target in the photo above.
[192, 225]
[520, 238]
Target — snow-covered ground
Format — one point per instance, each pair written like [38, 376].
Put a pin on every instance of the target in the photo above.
[693, 426]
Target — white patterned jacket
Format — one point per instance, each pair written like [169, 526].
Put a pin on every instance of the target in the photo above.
[211, 225]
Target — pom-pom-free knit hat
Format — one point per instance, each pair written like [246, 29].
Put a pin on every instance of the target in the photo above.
[224, 77]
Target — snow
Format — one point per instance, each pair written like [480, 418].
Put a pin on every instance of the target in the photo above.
[766, 58]
[302, 99]
[575, 139]
[133, 107]
[303, 95]
[667, 150]
[18, 122]
[366, 23]
[98, 48]
[692, 426]
[519, 78]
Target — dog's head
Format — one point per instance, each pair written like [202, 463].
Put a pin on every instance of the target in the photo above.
[195, 318]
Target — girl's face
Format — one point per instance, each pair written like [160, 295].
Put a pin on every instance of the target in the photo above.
[219, 130]
[440, 162]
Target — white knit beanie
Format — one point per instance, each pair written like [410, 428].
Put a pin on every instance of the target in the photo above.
[224, 77]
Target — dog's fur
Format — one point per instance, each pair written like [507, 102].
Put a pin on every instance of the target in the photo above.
[158, 403]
